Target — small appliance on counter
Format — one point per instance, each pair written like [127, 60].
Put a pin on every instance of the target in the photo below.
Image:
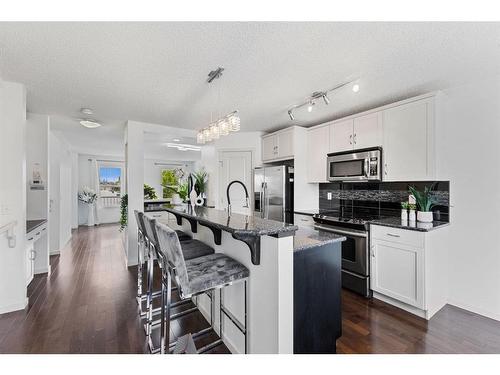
[273, 190]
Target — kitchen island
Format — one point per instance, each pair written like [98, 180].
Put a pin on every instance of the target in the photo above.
[267, 248]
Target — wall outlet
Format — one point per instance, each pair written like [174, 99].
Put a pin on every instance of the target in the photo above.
[329, 195]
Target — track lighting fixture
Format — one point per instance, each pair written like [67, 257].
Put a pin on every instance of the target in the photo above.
[311, 100]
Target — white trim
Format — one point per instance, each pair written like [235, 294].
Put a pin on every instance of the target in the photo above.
[14, 307]
[475, 310]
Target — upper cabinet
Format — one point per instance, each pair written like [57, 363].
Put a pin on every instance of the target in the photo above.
[278, 146]
[405, 130]
[318, 145]
[408, 142]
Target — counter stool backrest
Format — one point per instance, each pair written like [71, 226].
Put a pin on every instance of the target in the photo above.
[170, 246]
[149, 225]
[140, 222]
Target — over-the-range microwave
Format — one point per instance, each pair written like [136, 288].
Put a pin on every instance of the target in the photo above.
[357, 165]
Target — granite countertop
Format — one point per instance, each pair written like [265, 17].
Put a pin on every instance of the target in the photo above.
[307, 238]
[396, 222]
[235, 223]
[307, 212]
[33, 224]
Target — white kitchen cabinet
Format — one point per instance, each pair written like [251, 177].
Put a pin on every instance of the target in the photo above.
[397, 271]
[407, 141]
[341, 136]
[278, 146]
[367, 131]
[409, 269]
[317, 149]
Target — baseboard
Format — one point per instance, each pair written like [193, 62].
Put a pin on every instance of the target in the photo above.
[14, 307]
[475, 310]
[403, 306]
[55, 252]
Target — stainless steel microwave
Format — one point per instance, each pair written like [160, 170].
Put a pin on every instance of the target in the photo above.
[358, 165]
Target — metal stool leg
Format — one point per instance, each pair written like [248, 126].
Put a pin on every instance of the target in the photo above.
[139, 269]
[165, 314]
[149, 299]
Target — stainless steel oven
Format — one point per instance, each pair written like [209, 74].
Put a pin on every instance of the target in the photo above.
[355, 258]
[358, 165]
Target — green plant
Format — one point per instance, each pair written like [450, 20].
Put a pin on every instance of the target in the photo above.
[169, 181]
[183, 192]
[149, 193]
[201, 179]
[425, 201]
[404, 205]
[412, 206]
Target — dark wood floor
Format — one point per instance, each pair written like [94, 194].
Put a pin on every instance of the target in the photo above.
[87, 305]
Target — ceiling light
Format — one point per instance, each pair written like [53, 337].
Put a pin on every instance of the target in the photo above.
[176, 140]
[91, 124]
[355, 88]
[291, 115]
[200, 138]
[184, 147]
[87, 111]
[310, 106]
[214, 131]
[325, 99]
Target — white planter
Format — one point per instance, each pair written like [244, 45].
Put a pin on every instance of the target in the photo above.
[425, 217]
[404, 215]
[176, 199]
[91, 215]
[412, 215]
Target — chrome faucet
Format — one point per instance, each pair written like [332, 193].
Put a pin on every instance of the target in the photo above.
[229, 199]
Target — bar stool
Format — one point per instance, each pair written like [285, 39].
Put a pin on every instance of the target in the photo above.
[143, 253]
[191, 249]
[196, 276]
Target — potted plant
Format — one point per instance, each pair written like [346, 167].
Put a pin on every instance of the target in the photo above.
[88, 196]
[425, 202]
[149, 193]
[404, 211]
[200, 185]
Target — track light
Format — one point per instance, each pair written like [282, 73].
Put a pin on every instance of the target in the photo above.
[326, 100]
[290, 114]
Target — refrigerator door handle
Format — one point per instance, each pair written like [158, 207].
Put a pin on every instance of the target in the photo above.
[261, 202]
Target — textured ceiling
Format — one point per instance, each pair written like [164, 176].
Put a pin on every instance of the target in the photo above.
[156, 72]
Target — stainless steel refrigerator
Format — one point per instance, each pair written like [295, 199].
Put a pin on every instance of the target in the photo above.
[273, 193]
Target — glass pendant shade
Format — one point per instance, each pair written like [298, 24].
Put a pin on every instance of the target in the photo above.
[234, 123]
[214, 131]
[207, 135]
[200, 137]
[223, 127]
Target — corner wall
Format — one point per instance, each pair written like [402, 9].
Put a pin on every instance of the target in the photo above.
[13, 195]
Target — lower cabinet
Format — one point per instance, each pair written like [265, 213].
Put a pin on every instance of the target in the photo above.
[409, 269]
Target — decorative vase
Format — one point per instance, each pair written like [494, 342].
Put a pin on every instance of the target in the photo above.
[192, 197]
[91, 215]
[425, 217]
[404, 214]
[199, 200]
[412, 215]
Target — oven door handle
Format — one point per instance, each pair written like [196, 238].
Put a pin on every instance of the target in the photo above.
[341, 231]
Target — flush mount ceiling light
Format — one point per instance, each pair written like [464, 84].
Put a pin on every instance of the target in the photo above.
[317, 95]
[223, 125]
[176, 140]
[91, 124]
[183, 147]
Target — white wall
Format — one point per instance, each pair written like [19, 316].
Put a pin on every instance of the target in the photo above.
[74, 190]
[468, 154]
[12, 194]
[59, 192]
[37, 157]
[305, 195]
[210, 155]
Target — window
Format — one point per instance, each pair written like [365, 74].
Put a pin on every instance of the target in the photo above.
[110, 181]
[169, 181]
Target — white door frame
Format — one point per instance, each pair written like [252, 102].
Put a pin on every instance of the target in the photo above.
[220, 151]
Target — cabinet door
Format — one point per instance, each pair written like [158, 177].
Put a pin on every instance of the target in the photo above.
[30, 267]
[368, 131]
[317, 150]
[341, 136]
[285, 144]
[269, 151]
[397, 272]
[405, 142]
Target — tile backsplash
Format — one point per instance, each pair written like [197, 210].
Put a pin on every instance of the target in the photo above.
[384, 197]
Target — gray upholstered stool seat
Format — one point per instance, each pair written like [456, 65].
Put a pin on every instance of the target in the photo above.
[211, 271]
[194, 249]
[183, 236]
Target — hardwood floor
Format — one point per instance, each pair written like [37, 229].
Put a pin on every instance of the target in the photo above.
[373, 326]
[87, 305]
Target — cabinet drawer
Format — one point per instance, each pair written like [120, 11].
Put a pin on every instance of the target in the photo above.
[397, 235]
